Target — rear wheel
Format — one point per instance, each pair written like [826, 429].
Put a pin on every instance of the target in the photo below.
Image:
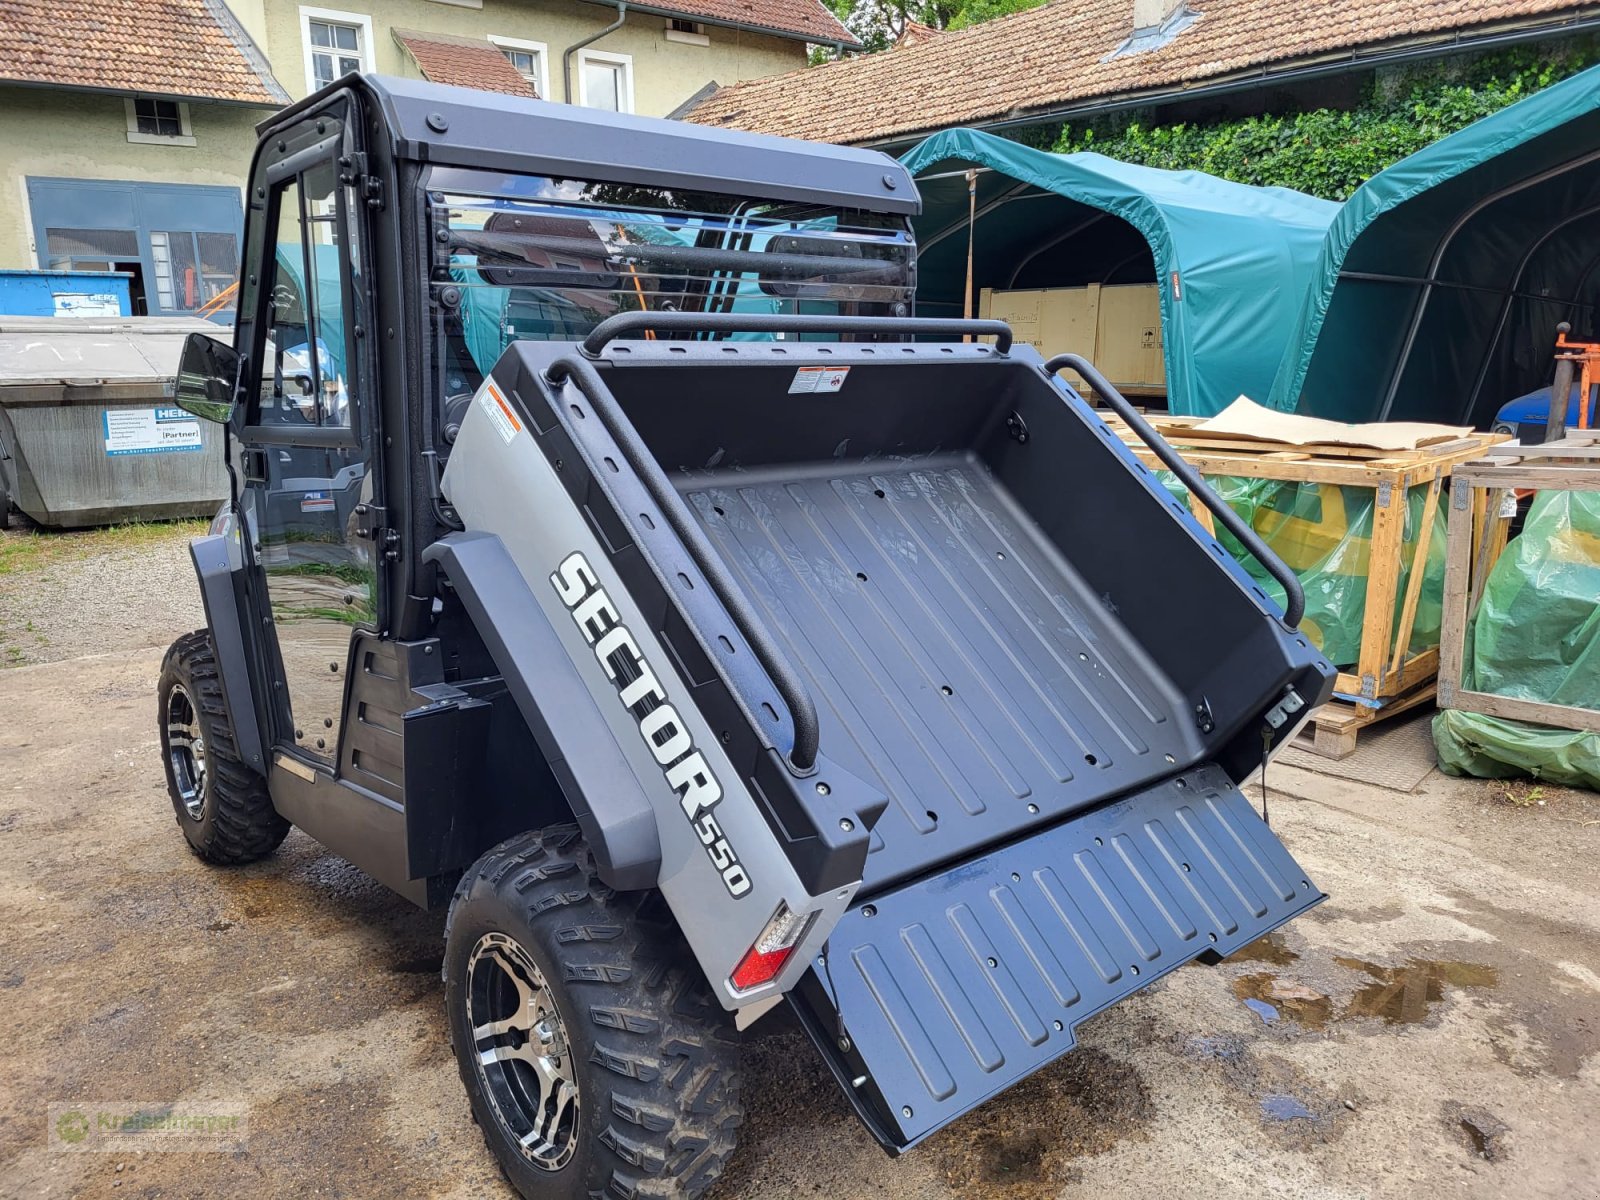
[222, 806]
[597, 1062]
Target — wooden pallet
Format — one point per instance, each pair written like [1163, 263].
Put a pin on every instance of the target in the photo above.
[1386, 668]
[1334, 728]
[1479, 521]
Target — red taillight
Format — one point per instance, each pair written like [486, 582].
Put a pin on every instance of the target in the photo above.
[756, 968]
[771, 950]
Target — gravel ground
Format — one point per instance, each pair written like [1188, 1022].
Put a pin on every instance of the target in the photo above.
[66, 594]
[1433, 1029]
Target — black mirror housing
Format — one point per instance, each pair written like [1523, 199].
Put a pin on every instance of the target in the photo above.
[207, 374]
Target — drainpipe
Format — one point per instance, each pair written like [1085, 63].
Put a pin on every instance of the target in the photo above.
[566, 57]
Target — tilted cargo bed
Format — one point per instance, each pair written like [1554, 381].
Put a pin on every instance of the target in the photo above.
[1011, 683]
[959, 663]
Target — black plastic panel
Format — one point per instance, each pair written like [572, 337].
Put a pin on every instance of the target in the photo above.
[958, 662]
[952, 989]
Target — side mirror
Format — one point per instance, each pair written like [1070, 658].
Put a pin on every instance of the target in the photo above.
[207, 374]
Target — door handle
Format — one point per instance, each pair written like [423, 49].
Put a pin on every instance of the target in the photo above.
[254, 461]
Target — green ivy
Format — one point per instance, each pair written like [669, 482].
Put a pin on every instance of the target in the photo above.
[1330, 152]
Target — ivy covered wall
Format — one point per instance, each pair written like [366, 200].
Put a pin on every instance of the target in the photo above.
[1329, 152]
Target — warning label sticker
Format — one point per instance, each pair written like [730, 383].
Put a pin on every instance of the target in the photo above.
[149, 431]
[818, 379]
[500, 415]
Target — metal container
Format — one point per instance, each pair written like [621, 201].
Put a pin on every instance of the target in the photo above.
[85, 294]
[88, 432]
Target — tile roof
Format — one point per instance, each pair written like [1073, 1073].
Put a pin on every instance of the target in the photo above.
[185, 48]
[464, 62]
[1057, 54]
[809, 19]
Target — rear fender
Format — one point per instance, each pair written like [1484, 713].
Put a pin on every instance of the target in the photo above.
[614, 813]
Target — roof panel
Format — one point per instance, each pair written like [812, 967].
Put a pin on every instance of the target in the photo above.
[537, 137]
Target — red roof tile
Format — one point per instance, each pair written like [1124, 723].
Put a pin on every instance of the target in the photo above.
[464, 62]
[809, 19]
[157, 47]
[1056, 55]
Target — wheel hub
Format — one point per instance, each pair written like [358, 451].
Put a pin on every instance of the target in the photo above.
[186, 750]
[522, 1052]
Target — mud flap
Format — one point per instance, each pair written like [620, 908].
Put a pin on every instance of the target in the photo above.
[934, 997]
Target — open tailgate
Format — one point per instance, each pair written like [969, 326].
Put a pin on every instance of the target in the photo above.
[936, 996]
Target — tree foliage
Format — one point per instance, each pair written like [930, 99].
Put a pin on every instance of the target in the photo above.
[876, 24]
[1330, 152]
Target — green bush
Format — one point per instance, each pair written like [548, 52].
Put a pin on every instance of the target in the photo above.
[1330, 152]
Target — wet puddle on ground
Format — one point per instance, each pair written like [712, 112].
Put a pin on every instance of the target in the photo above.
[1273, 999]
[1401, 995]
[1268, 949]
[1279, 1106]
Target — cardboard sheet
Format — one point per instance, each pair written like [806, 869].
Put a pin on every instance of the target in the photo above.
[1244, 418]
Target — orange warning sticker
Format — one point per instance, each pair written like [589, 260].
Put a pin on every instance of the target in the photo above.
[500, 415]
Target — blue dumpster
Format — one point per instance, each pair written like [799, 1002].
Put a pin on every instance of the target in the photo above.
[65, 293]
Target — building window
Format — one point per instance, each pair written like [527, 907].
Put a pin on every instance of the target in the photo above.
[192, 268]
[158, 122]
[532, 61]
[158, 116]
[605, 81]
[89, 249]
[335, 43]
[691, 32]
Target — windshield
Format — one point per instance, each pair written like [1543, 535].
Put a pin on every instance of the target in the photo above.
[547, 259]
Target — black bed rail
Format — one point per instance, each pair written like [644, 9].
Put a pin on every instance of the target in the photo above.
[1294, 594]
[791, 689]
[681, 322]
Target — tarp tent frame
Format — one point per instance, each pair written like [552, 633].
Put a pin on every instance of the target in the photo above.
[1232, 260]
[1440, 282]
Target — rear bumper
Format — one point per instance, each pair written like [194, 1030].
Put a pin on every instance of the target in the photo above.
[934, 997]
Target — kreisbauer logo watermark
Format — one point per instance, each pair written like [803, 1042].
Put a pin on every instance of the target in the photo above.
[129, 1125]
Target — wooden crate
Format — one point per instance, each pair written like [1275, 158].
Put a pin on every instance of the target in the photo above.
[1479, 522]
[1386, 670]
[1333, 729]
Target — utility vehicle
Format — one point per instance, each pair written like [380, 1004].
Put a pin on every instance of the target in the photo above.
[708, 632]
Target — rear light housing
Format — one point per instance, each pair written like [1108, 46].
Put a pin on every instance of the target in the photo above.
[771, 949]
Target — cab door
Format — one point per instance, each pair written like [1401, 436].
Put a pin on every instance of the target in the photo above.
[308, 437]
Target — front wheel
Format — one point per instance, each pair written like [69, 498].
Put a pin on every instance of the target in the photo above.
[595, 1057]
[222, 806]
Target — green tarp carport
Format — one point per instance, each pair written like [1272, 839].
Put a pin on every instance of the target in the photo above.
[1233, 260]
[1442, 279]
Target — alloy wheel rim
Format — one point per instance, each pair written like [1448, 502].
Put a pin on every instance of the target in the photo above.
[520, 1047]
[186, 751]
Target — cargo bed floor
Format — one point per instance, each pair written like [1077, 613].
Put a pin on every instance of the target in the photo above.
[957, 661]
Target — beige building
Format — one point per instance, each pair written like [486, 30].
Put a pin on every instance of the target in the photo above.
[126, 126]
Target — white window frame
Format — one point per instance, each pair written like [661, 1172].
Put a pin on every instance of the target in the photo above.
[694, 36]
[361, 20]
[625, 61]
[185, 138]
[539, 48]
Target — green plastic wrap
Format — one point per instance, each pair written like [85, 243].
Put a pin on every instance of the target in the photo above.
[1535, 636]
[1324, 534]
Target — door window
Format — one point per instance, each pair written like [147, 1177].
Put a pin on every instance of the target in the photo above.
[313, 454]
[305, 379]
